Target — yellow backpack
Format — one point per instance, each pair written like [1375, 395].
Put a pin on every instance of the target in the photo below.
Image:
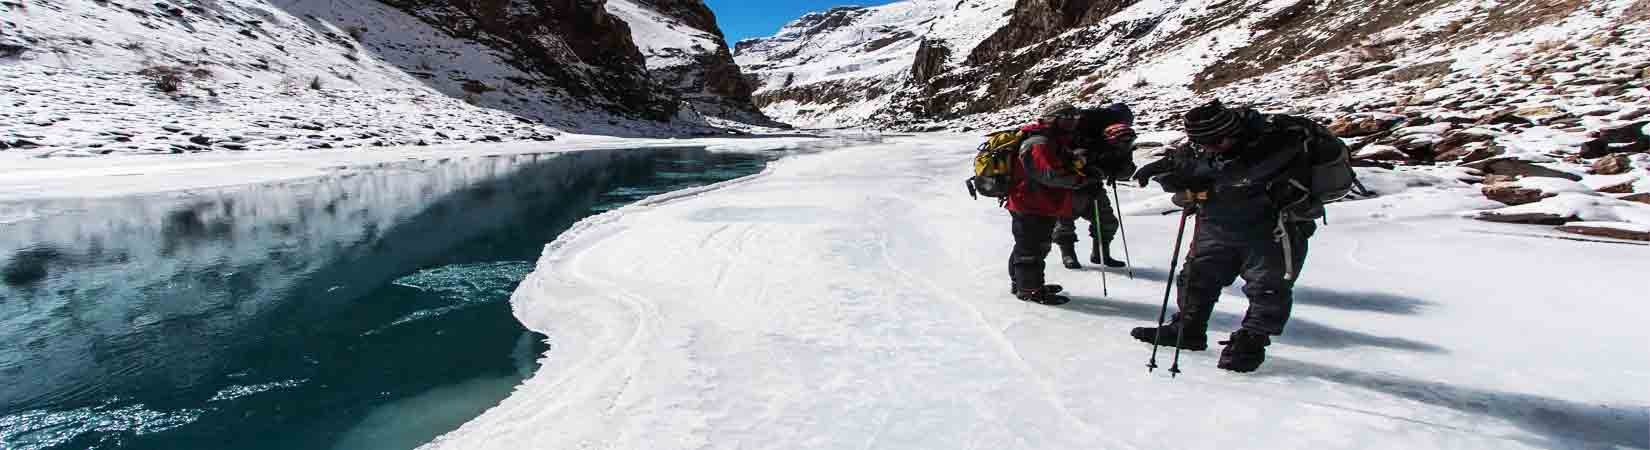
[994, 165]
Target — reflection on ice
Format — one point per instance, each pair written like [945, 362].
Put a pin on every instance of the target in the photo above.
[281, 315]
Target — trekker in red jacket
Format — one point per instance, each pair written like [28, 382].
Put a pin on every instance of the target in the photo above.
[1040, 198]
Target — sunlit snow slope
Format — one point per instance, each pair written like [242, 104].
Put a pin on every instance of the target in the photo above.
[857, 299]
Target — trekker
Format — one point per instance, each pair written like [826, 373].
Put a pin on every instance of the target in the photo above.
[1105, 152]
[1241, 176]
[1040, 198]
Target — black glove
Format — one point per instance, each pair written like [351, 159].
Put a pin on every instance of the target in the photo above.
[1178, 181]
[1145, 174]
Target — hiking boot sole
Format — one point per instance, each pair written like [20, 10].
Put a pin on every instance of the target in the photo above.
[1145, 335]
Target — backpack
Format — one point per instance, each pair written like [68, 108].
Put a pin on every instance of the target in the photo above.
[994, 172]
[1326, 168]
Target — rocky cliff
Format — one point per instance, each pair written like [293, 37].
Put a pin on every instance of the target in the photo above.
[685, 52]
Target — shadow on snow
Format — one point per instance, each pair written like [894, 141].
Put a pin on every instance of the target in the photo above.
[1299, 331]
[1563, 423]
[1379, 302]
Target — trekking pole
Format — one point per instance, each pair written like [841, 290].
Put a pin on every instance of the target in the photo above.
[1180, 335]
[1105, 291]
[1163, 313]
[1117, 206]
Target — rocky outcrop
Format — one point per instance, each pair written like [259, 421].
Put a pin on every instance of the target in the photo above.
[821, 97]
[1612, 165]
[931, 58]
[1035, 21]
[1625, 138]
[575, 43]
[1359, 125]
[1512, 166]
[1466, 147]
[687, 53]
[1617, 231]
[1512, 193]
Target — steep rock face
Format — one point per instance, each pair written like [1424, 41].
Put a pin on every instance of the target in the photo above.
[930, 60]
[576, 43]
[1035, 21]
[685, 51]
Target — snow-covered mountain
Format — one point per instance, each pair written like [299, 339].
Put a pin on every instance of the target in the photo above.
[686, 52]
[86, 77]
[858, 66]
[836, 68]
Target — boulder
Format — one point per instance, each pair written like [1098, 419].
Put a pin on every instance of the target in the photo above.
[1600, 147]
[1623, 132]
[1358, 125]
[200, 140]
[1379, 152]
[1642, 197]
[1503, 117]
[1615, 231]
[1610, 90]
[1612, 164]
[1454, 146]
[1513, 194]
[1540, 113]
[1625, 187]
[1472, 153]
[1625, 138]
[1418, 147]
[1513, 166]
[1534, 218]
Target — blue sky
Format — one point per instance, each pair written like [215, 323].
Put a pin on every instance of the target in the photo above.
[742, 19]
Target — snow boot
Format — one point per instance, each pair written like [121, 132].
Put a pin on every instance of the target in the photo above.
[1068, 257]
[1102, 255]
[1196, 338]
[1244, 352]
[1046, 296]
[1049, 288]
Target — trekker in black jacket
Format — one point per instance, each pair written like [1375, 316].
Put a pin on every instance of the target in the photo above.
[1253, 221]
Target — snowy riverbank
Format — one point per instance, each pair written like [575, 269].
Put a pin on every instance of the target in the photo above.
[29, 178]
[855, 298]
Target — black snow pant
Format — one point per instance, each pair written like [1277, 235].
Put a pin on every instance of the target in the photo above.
[1065, 233]
[1220, 253]
[1033, 238]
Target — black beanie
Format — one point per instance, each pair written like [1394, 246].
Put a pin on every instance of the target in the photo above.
[1211, 121]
